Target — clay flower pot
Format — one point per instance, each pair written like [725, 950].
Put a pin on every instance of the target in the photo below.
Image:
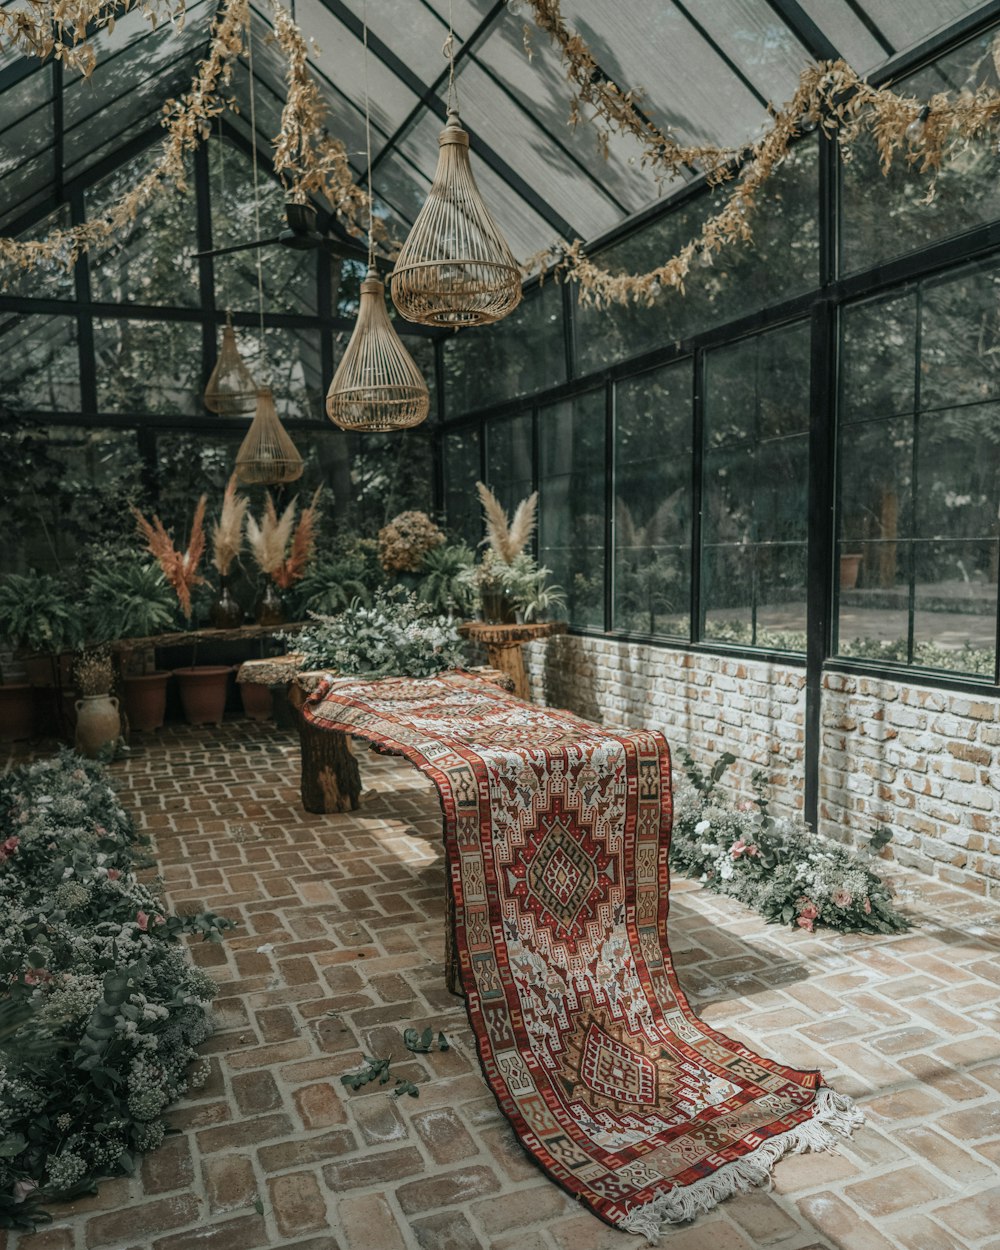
[203, 692]
[98, 723]
[258, 701]
[146, 700]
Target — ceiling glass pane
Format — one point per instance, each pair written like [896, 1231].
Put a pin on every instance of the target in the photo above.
[508, 130]
[39, 363]
[289, 277]
[420, 27]
[290, 365]
[26, 124]
[847, 32]
[757, 41]
[540, 84]
[907, 24]
[154, 262]
[685, 84]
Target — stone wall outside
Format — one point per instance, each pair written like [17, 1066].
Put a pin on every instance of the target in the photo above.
[924, 761]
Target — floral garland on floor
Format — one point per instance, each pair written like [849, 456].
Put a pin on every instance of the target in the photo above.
[777, 866]
[308, 160]
[829, 95]
[100, 1007]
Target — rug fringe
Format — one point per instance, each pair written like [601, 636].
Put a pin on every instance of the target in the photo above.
[834, 1114]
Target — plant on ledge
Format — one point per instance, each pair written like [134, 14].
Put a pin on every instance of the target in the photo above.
[100, 1009]
[777, 866]
[397, 635]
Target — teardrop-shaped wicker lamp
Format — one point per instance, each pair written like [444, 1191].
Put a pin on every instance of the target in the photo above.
[377, 386]
[267, 456]
[455, 268]
[231, 390]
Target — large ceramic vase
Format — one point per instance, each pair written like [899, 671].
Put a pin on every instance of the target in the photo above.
[203, 692]
[98, 724]
[146, 701]
[17, 711]
[225, 612]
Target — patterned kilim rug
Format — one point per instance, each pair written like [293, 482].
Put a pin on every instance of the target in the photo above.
[556, 833]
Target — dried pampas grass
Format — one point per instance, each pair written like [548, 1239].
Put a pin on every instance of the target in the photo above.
[227, 533]
[303, 541]
[270, 537]
[508, 538]
[179, 568]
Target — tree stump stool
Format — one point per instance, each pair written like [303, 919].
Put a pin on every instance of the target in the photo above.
[503, 646]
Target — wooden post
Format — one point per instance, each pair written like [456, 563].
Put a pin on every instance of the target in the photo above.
[331, 780]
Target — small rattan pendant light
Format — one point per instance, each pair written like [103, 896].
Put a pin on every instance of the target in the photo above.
[377, 386]
[267, 456]
[455, 268]
[231, 390]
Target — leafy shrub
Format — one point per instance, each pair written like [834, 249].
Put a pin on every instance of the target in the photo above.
[37, 612]
[779, 867]
[127, 596]
[100, 1009]
[347, 571]
[396, 635]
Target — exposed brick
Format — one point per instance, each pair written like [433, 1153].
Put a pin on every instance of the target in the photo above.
[297, 1203]
[169, 1167]
[230, 1182]
[148, 1218]
[369, 1224]
[319, 1106]
[447, 1189]
[246, 1233]
[256, 1092]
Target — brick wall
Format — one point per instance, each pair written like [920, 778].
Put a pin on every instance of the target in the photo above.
[924, 762]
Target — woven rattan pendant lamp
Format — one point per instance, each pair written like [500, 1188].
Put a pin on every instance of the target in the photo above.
[231, 390]
[377, 386]
[267, 456]
[455, 268]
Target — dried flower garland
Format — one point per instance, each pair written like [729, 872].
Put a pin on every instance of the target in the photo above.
[305, 156]
[830, 95]
[64, 28]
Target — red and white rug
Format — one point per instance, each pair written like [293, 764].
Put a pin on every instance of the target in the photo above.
[556, 834]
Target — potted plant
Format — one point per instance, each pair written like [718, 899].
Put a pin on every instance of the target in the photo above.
[444, 584]
[282, 550]
[203, 687]
[227, 542]
[39, 618]
[127, 596]
[98, 720]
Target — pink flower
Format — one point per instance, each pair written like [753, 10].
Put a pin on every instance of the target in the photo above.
[806, 922]
[867, 906]
[142, 920]
[113, 874]
[8, 848]
[738, 848]
[808, 911]
[842, 898]
[21, 1189]
[745, 805]
[37, 976]
[158, 919]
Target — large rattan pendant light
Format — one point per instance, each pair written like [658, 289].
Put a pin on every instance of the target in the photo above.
[455, 268]
[231, 390]
[267, 456]
[377, 386]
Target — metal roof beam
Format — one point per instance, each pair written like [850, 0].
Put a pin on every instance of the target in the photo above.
[805, 30]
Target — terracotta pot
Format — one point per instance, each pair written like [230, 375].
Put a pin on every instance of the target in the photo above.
[98, 723]
[146, 700]
[17, 711]
[850, 564]
[203, 692]
[258, 701]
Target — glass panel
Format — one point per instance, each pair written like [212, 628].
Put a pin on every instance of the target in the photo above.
[421, 349]
[291, 367]
[389, 474]
[955, 605]
[148, 366]
[877, 376]
[190, 465]
[509, 460]
[40, 369]
[27, 169]
[755, 490]
[49, 280]
[960, 339]
[289, 276]
[572, 460]
[781, 262]
[876, 467]
[884, 216]
[153, 261]
[65, 486]
[652, 563]
[873, 600]
[757, 41]
[847, 32]
[524, 352]
[460, 457]
[918, 19]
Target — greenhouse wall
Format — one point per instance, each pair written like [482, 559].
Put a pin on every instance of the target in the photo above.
[922, 761]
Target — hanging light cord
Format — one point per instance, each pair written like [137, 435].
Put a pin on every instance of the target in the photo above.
[256, 196]
[448, 50]
[368, 147]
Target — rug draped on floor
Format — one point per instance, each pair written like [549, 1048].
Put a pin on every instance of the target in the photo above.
[556, 834]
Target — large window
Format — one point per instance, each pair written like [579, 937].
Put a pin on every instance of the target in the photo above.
[652, 507]
[755, 490]
[461, 471]
[509, 459]
[571, 483]
[920, 475]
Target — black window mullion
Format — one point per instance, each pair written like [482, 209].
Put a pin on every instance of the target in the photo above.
[609, 505]
[697, 623]
[911, 544]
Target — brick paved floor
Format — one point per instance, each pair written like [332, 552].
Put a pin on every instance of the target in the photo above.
[340, 946]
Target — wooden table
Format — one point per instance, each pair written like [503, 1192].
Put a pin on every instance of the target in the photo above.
[503, 646]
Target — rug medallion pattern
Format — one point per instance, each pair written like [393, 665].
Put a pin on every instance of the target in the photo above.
[556, 834]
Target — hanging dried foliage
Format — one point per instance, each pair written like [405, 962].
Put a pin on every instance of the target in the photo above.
[64, 28]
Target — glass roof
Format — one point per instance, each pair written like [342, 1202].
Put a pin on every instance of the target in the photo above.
[706, 69]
